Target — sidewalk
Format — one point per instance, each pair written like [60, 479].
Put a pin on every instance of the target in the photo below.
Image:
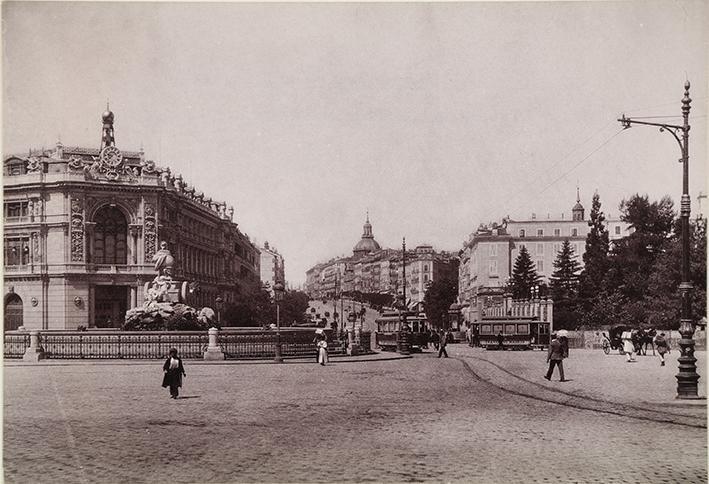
[334, 359]
[596, 381]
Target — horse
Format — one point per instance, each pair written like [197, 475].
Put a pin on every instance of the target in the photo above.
[642, 338]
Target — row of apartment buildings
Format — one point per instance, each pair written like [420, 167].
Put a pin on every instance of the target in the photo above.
[81, 226]
[487, 257]
[372, 269]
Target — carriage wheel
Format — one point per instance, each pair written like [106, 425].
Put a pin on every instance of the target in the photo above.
[606, 347]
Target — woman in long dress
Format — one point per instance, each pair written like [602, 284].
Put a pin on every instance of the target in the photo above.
[628, 345]
[322, 350]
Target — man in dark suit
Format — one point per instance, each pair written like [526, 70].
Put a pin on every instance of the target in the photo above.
[555, 356]
[443, 342]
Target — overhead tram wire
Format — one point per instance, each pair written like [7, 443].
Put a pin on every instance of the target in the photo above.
[563, 175]
[603, 143]
[543, 174]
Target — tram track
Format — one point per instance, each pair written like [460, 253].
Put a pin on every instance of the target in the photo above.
[652, 415]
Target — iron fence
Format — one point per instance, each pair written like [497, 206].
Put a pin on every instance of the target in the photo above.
[236, 344]
[15, 344]
[259, 344]
[121, 344]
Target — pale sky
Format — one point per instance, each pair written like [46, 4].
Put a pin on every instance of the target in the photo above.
[434, 117]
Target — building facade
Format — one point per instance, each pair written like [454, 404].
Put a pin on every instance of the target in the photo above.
[272, 267]
[372, 269]
[487, 258]
[81, 226]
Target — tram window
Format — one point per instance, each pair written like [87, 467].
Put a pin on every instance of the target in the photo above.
[496, 328]
[522, 329]
[485, 329]
[543, 328]
[509, 329]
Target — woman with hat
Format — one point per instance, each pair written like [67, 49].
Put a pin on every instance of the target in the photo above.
[322, 346]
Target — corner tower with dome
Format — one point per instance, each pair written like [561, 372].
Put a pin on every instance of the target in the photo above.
[372, 269]
[82, 224]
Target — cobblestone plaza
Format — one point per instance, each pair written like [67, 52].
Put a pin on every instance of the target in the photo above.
[475, 417]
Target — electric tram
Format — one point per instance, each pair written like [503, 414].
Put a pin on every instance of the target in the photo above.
[389, 325]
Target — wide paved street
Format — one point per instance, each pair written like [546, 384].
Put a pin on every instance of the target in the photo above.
[418, 419]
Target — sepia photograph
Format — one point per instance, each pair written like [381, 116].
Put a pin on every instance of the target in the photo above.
[338, 242]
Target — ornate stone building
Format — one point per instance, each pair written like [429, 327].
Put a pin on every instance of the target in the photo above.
[372, 269]
[81, 226]
[272, 267]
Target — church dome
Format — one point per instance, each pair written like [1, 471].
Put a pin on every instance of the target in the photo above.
[367, 244]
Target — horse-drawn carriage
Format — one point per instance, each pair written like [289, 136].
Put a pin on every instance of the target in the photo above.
[640, 337]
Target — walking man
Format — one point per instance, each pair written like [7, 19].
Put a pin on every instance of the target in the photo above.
[442, 345]
[555, 356]
[500, 340]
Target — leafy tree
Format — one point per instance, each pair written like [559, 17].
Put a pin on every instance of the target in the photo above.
[252, 307]
[595, 258]
[293, 308]
[524, 276]
[663, 301]
[439, 296]
[632, 258]
[565, 278]
[606, 309]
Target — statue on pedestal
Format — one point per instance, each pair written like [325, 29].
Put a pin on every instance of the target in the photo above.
[163, 260]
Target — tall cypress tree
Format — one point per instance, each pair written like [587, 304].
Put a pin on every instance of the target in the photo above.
[524, 275]
[564, 280]
[595, 258]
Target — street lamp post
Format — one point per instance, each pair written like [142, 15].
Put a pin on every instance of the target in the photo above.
[218, 302]
[403, 344]
[687, 377]
[278, 296]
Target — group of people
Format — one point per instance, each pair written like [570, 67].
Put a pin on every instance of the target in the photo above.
[629, 347]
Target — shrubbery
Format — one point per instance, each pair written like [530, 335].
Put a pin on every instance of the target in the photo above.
[165, 317]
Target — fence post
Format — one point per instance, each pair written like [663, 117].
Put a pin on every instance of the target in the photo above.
[214, 352]
[35, 352]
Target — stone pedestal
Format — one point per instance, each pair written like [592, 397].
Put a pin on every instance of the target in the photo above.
[214, 352]
[352, 348]
[34, 352]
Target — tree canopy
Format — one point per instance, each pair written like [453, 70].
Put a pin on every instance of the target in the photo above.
[439, 296]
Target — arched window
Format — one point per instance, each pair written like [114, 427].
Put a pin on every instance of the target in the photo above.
[13, 312]
[110, 237]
